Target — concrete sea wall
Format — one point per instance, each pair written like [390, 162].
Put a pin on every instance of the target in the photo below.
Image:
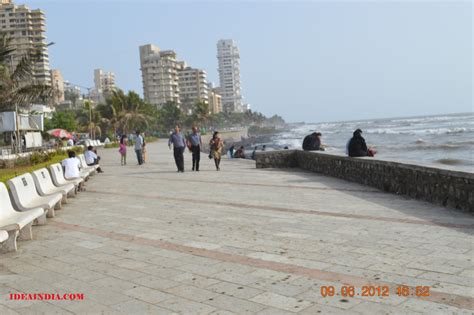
[439, 186]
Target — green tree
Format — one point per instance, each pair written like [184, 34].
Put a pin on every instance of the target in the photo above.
[169, 116]
[201, 113]
[64, 120]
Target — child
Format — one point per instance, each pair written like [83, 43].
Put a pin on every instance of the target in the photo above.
[123, 150]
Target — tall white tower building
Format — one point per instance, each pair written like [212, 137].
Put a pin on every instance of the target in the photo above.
[229, 75]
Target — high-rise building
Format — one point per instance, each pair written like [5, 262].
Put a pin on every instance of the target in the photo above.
[27, 29]
[104, 81]
[159, 75]
[57, 83]
[229, 75]
[192, 86]
[215, 99]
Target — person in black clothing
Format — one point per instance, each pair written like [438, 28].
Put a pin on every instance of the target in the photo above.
[357, 146]
[312, 142]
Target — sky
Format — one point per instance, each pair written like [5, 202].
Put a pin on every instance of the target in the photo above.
[304, 60]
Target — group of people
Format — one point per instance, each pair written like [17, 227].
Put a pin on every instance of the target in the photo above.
[355, 147]
[139, 147]
[72, 165]
[194, 144]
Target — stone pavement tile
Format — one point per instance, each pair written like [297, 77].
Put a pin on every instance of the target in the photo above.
[114, 284]
[42, 308]
[361, 272]
[233, 267]
[278, 287]
[185, 306]
[453, 289]
[148, 295]
[325, 309]
[431, 308]
[165, 262]
[399, 270]
[130, 264]
[139, 307]
[159, 271]
[280, 301]
[105, 258]
[453, 279]
[434, 267]
[236, 290]
[233, 304]
[192, 293]
[7, 311]
[201, 270]
[273, 275]
[86, 275]
[124, 273]
[409, 281]
[155, 282]
[86, 306]
[106, 297]
[339, 302]
[72, 259]
[235, 278]
[222, 312]
[467, 273]
[368, 307]
[195, 280]
[393, 299]
[274, 311]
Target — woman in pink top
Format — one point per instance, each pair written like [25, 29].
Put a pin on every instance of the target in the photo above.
[123, 150]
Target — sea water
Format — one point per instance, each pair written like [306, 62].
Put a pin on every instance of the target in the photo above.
[446, 141]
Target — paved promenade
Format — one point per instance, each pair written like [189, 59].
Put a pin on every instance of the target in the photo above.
[240, 241]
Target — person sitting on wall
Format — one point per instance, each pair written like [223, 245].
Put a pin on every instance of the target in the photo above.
[312, 142]
[240, 153]
[92, 158]
[357, 146]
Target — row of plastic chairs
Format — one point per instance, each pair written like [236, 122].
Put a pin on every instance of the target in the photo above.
[32, 198]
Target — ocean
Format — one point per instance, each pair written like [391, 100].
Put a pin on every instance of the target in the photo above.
[445, 141]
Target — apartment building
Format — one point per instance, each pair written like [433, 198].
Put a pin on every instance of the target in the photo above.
[104, 81]
[57, 82]
[215, 99]
[229, 75]
[192, 86]
[159, 75]
[27, 30]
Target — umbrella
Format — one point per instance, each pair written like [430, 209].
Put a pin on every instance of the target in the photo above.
[60, 133]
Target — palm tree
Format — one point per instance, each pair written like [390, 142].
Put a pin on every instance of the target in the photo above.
[126, 112]
[18, 87]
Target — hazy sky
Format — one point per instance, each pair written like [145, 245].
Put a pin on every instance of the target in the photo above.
[307, 61]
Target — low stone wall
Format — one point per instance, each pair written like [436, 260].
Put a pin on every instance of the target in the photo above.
[439, 186]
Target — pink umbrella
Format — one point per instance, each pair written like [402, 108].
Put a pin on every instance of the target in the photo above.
[60, 133]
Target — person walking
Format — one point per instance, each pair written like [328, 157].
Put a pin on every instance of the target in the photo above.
[216, 146]
[179, 144]
[195, 144]
[123, 150]
[139, 147]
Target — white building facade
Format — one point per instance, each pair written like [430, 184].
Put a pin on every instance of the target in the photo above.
[229, 75]
[27, 30]
[192, 86]
[159, 75]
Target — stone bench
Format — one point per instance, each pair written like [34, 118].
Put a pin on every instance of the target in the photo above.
[16, 224]
[85, 167]
[57, 175]
[44, 185]
[3, 236]
[25, 196]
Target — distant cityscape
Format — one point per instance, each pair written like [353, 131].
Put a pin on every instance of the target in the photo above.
[165, 78]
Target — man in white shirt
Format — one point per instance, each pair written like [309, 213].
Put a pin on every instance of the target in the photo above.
[92, 158]
[139, 147]
[70, 143]
[71, 168]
